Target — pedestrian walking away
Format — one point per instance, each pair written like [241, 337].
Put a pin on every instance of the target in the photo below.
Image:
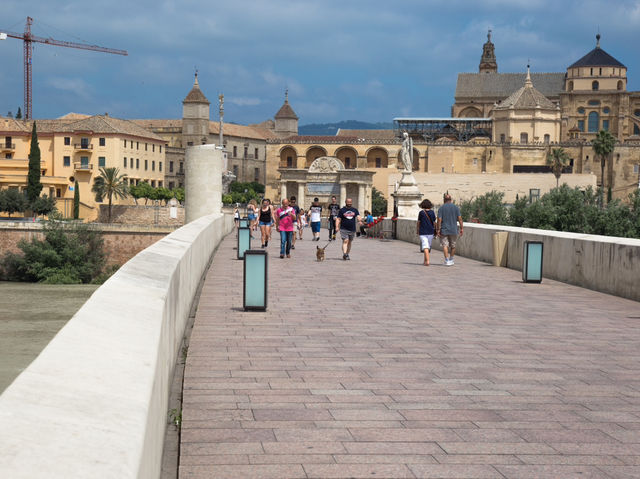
[346, 221]
[265, 220]
[284, 224]
[447, 228]
[302, 222]
[315, 211]
[426, 228]
[334, 209]
[252, 216]
[236, 216]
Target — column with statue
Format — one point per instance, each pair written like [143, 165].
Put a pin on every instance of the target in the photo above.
[407, 196]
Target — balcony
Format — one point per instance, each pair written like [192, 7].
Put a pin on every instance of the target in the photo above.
[7, 147]
[82, 166]
[83, 146]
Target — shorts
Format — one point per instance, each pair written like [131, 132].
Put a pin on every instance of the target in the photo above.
[448, 241]
[347, 234]
[425, 242]
[251, 217]
[315, 226]
[262, 223]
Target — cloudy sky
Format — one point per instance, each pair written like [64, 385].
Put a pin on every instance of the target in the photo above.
[369, 60]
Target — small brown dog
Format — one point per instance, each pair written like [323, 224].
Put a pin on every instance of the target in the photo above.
[320, 252]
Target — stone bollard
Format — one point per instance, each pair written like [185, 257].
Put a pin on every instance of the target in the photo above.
[499, 240]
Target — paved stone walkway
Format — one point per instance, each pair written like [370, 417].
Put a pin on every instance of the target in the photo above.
[381, 367]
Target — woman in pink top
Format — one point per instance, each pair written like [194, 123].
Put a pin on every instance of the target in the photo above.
[285, 216]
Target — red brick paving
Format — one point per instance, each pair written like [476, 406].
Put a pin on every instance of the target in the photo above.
[381, 367]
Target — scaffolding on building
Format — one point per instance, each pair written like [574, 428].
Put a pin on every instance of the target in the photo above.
[432, 129]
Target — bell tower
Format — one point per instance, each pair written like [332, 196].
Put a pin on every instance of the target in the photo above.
[488, 63]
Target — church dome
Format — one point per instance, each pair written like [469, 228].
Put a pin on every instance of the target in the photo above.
[597, 58]
[286, 112]
[526, 97]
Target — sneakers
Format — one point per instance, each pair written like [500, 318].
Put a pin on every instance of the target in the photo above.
[333, 237]
[281, 256]
[448, 262]
[266, 243]
[345, 257]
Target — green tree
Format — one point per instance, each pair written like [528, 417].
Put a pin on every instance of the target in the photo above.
[12, 201]
[111, 184]
[43, 205]
[178, 194]
[603, 145]
[76, 201]
[557, 159]
[34, 187]
[487, 208]
[68, 253]
[144, 190]
[517, 213]
[19, 114]
[163, 194]
[378, 203]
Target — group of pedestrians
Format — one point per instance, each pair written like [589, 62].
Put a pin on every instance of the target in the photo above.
[445, 226]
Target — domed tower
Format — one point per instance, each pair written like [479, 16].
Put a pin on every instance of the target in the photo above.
[195, 117]
[488, 63]
[286, 119]
[596, 71]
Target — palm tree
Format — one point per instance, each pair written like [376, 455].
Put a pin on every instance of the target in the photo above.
[603, 145]
[557, 160]
[110, 183]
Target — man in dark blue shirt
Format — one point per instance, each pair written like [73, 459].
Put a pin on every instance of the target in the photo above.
[346, 224]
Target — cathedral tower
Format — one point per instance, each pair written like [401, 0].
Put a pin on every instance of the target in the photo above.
[488, 63]
[195, 117]
[286, 119]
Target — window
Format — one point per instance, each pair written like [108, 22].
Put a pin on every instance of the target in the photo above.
[570, 87]
[502, 138]
[606, 110]
[289, 161]
[235, 151]
[159, 166]
[137, 145]
[347, 162]
[101, 162]
[593, 102]
[246, 152]
[636, 130]
[171, 185]
[591, 72]
[255, 153]
[595, 86]
[7, 141]
[581, 125]
[153, 183]
[636, 168]
[67, 140]
[475, 162]
[84, 143]
[125, 143]
[146, 147]
[8, 156]
[547, 139]
[534, 194]
[256, 174]
[84, 161]
[636, 112]
[587, 158]
[171, 167]
[189, 143]
[581, 110]
[58, 192]
[594, 122]
[153, 148]
[102, 141]
[235, 171]
[605, 124]
[620, 85]
[600, 72]
[125, 161]
[138, 163]
[146, 164]
[181, 167]
[160, 148]
[378, 162]
[66, 161]
[153, 165]
[159, 183]
[524, 138]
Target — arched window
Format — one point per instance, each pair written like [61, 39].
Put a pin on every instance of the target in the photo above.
[570, 86]
[547, 139]
[524, 137]
[595, 86]
[620, 84]
[636, 130]
[594, 122]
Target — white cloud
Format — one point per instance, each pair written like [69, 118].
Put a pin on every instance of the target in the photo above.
[244, 101]
[77, 86]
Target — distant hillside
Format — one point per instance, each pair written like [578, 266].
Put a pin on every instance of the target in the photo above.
[332, 128]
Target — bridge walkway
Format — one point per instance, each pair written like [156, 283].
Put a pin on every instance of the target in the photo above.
[381, 367]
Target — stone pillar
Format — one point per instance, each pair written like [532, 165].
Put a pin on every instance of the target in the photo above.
[202, 181]
[343, 194]
[361, 197]
[283, 190]
[301, 194]
[407, 196]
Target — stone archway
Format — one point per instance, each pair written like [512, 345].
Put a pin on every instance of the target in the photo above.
[288, 157]
[377, 158]
[314, 153]
[348, 156]
[470, 112]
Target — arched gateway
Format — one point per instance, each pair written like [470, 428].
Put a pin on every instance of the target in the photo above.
[327, 177]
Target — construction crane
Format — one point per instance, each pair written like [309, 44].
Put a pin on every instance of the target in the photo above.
[29, 39]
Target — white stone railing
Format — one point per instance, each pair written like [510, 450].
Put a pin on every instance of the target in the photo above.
[94, 403]
[602, 263]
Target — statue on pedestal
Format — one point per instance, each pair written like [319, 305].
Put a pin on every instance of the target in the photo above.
[407, 152]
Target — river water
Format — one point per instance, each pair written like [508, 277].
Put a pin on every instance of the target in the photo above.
[30, 316]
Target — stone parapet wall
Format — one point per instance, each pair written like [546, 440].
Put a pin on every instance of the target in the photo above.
[602, 263]
[142, 215]
[94, 403]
